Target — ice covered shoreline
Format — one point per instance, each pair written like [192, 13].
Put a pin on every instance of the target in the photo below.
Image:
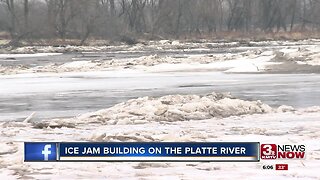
[257, 57]
[284, 125]
[201, 44]
[211, 117]
[239, 62]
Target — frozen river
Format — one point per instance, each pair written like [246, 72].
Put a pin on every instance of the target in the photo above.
[69, 94]
[66, 94]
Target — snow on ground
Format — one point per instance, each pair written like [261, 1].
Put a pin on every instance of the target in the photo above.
[200, 44]
[243, 62]
[234, 57]
[78, 64]
[286, 126]
[150, 45]
[57, 49]
[28, 55]
[309, 55]
[246, 61]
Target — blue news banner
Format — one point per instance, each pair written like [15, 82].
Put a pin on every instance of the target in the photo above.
[141, 151]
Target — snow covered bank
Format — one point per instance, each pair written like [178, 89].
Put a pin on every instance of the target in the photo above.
[302, 55]
[175, 56]
[238, 57]
[201, 44]
[247, 61]
[231, 63]
[28, 55]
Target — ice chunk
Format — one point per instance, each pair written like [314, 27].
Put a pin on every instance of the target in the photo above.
[170, 108]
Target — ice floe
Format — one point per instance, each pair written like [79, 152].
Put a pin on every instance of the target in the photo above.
[169, 108]
[309, 55]
[244, 62]
[231, 57]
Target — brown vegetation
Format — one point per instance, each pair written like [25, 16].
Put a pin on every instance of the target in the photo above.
[131, 20]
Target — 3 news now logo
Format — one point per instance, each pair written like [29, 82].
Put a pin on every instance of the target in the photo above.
[34, 151]
[273, 151]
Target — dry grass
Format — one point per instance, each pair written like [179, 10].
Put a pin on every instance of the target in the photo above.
[190, 37]
[253, 36]
[65, 42]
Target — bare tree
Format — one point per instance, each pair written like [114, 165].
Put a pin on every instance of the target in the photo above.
[11, 8]
[111, 19]
[26, 14]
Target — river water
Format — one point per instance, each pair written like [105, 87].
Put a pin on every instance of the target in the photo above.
[70, 94]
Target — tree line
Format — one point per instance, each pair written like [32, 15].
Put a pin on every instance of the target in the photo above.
[110, 19]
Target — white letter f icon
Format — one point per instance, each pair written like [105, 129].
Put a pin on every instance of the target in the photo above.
[46, 151]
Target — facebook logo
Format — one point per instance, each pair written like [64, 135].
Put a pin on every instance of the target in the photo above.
[46, 151]
[34, 151]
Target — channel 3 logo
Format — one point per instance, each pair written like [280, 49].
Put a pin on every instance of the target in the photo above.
[283, 151]
[268, 151]
[34, 151]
